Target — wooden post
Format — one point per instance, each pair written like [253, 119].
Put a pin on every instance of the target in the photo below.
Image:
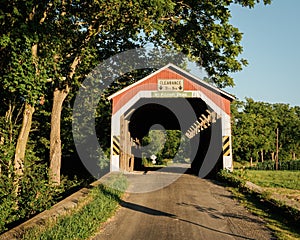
[127, 144]
[122, 143]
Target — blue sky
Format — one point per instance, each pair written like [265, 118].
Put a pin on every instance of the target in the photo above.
[271, 43]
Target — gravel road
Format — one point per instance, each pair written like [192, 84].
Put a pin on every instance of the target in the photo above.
[188, 208]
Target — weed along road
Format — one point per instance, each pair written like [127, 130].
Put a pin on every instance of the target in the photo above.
[189, 208]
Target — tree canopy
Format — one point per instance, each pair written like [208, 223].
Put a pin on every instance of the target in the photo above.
[255, 127]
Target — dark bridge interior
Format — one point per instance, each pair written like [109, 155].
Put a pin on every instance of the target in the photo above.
[173, 114]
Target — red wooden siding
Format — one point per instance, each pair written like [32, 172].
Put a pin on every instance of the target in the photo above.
[150, 84]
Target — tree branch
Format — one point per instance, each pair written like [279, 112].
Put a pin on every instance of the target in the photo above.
[74, 65]
[46, 12]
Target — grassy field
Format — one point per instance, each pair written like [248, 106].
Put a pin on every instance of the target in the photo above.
[274, 179]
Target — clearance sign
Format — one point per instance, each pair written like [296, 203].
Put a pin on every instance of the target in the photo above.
[170, 85]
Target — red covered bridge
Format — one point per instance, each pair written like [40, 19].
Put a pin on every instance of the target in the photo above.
[174, 99]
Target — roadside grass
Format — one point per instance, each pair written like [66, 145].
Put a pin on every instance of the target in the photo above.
[278, 219]
[85, 220]
[274, 179]
[283, 227]
[241, 165]
[284, 183]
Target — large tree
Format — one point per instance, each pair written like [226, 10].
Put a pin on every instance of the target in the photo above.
[67, 38]
[22, 72]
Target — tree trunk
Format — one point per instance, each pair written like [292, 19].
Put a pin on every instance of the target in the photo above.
[1, 143]
[273, 156]
[277, 149]
[21, 143]
[262, 155]
[251, 161]
[55, 142]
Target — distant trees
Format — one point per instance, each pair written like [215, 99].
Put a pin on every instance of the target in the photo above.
[167, 146]
[254, 126]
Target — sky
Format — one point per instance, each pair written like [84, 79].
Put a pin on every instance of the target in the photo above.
[271, 42]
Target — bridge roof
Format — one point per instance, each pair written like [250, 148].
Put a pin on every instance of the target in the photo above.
[182, 73]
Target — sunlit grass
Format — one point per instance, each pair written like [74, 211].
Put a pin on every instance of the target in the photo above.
[274, 179]
[283, 224]
[282, 227]
[85, 220]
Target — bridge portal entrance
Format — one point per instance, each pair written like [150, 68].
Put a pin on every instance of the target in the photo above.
[172, 99]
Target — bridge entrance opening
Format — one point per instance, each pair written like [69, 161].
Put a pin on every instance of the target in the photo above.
[150, 114]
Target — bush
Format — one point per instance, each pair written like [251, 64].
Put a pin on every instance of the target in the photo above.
[35, 194]
[282, 165]
[234, 179]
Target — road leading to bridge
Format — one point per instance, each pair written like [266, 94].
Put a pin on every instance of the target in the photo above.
[189, 208]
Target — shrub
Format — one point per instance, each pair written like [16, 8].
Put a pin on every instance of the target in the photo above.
[234, 179]
[282, 165]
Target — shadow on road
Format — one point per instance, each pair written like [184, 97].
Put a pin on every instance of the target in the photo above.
[214, 213]
[154, 212]
[174, 168]
[144, 209]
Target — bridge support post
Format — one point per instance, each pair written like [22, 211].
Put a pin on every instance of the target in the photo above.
[226, 142]
[126, 157]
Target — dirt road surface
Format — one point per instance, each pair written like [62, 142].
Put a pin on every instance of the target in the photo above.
[189, 208]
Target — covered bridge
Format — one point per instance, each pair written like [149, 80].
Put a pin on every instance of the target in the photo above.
[173, 98]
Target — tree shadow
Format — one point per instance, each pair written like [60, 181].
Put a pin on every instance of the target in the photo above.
[168, 169]
[154, 212]
[214, 213]
[143, 209]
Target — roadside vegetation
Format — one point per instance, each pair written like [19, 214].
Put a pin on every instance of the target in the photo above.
[283, 220]
[274, 179]
[85, 220]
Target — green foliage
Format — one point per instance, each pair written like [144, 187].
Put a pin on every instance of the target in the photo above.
[7, 203]
[278, 179]
[233, 179]
[117, 183]
[153, 144]
[172, 144]
[293, 165]
[35, 193]
[177, 147]
[282, 219]
[83, 222]
[254, 127]
[165, 146]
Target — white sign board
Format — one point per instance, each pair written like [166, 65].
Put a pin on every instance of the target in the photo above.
[170, 84]
[153, 157]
